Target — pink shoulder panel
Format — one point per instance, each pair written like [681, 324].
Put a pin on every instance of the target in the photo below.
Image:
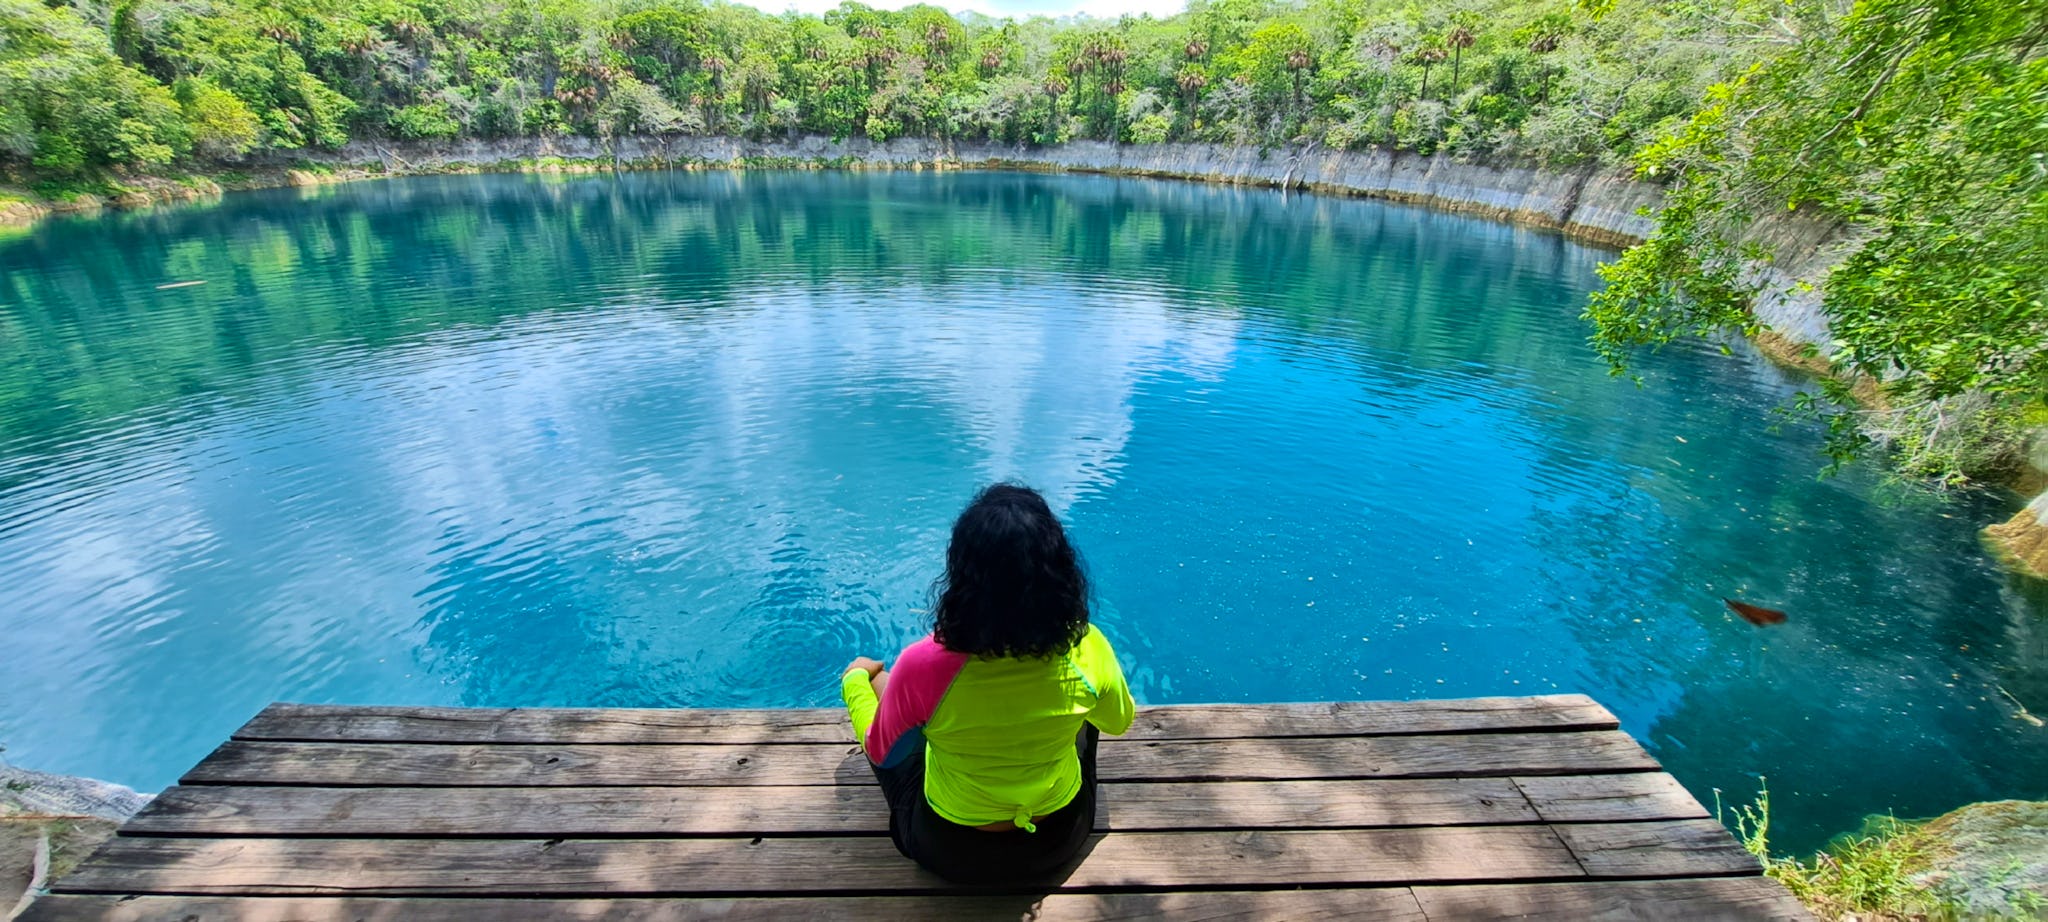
[917, 683]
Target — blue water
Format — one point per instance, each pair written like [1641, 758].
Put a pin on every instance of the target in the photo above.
[696, 439]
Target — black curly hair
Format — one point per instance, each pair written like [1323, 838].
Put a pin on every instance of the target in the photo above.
[1013, 586]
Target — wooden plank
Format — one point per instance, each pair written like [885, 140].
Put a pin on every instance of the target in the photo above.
[519, 764]
[1726, 899]
[70, 908]
[1677, 848]
[841, 810]
[1355, 857]
[706, 867]
[338, 723]
[334, 723]
[1393, 904]
[532, 812]
[1374, 757]
[1135, 806]
[1704, 899]
[1371, 718]
[1604, 798]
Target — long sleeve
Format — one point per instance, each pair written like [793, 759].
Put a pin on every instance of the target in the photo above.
[858, 691]
[1114, 710]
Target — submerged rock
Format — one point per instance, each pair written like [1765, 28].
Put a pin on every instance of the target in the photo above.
[1991, 859]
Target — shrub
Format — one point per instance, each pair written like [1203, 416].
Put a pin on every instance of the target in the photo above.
[426, 122]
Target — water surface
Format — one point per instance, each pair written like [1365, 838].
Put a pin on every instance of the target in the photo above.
[695, 439]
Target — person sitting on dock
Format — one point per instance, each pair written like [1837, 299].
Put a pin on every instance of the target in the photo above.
[983, 735]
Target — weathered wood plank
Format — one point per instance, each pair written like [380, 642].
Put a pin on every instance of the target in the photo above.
[649, 867]
[1677, 848]
[1726, 899]
[519, 764]
[1393, 904]
[1374, 757]
[841, 810]
[1599, 798]
[1137, 806]
[549, 812]
[340, 723]
[71, 908]
[1355, 857]
[1371, 718]
[335, 723]
[1706, 900]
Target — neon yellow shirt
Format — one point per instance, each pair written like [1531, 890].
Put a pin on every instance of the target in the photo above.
[997, 734]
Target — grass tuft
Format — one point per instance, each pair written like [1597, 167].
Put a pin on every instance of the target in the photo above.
[1865, 876]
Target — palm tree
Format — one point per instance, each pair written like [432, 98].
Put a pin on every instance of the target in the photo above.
[1191, 81]
[1298, 61]
[1460, 39]
[1110, 54]
[937, 42]
[1427, 57]
[715, 103]
[1078, 68]
[1543, 44]
[1054, 86]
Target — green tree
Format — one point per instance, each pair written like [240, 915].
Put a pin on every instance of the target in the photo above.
[70, 107]
[1920, 126]
[221, 124]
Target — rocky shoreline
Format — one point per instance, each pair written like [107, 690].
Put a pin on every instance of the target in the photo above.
[49, 823]
[1589, 203]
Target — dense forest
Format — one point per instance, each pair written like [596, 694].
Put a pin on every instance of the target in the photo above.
[1919, 125]
[137, 84]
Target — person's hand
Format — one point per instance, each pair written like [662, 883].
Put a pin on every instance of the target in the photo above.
[870, 666]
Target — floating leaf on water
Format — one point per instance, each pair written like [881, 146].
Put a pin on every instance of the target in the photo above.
[1756, 614]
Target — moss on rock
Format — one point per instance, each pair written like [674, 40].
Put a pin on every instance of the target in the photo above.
[1990, 859]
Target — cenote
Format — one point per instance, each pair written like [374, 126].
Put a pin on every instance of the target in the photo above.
[695, 439]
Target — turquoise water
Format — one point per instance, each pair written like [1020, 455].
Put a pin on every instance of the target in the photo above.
[696, 440]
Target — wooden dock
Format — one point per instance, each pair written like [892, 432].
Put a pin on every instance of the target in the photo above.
[1425, 810]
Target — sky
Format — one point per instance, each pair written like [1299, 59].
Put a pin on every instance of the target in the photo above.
[1105, 9]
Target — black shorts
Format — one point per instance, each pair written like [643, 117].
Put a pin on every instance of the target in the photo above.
[964, 854]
